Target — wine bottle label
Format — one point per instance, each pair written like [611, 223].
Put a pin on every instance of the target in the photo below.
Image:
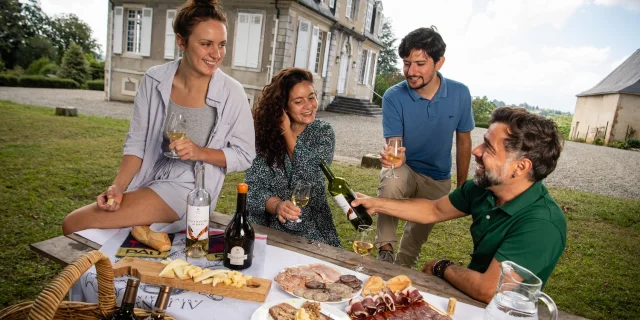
[237, 256]
[197, 222]
[342, 202]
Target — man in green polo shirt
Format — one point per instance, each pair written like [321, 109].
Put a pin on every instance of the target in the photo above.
[514, 217]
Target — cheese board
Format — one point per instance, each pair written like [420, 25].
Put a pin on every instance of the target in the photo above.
[148, 271]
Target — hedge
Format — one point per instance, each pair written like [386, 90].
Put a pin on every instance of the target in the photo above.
[8, 80]
[97, 85]
[46, 82]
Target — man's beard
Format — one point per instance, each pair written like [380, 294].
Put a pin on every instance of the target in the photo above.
[487, 179]
[424, 83]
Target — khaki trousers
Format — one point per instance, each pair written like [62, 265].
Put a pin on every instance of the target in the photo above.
[410, 184]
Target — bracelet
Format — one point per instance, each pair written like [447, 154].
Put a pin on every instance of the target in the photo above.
[440, 266]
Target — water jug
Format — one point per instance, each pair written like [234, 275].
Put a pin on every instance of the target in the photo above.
[517, 295]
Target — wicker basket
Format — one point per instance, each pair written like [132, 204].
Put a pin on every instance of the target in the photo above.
[49, 305]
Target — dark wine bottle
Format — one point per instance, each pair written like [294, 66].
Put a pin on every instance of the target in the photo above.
[159, 309]
[128, 301]
[239, 235]
[343, 195]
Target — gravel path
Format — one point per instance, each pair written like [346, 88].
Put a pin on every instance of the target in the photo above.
[582, 166]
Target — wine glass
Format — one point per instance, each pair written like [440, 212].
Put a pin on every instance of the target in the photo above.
[176, 130]
[301, 195]
[393, 144]
[363, 244]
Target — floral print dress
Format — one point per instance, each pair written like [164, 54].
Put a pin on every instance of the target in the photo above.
[315, 143]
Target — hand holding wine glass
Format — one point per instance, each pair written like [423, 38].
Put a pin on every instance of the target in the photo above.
[176, 130]
[363, 243]
[301, 195]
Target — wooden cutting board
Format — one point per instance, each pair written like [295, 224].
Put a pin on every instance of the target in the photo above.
[148, 272]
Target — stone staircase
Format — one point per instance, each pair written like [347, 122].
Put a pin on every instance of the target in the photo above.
[354, 106]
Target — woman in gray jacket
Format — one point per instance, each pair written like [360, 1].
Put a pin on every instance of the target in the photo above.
[151, 188]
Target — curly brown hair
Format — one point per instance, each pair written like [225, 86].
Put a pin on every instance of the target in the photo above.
[267, 116]
[533, 137]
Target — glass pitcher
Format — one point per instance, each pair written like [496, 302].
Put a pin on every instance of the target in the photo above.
[517, 295]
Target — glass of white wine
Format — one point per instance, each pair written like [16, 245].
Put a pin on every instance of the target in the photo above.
[176, 130]
[301, 195]
[363, 244]
[393, 144]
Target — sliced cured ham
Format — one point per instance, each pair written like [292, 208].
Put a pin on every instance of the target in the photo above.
[327, 273]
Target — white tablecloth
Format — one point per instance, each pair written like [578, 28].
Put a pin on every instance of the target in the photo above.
[193, 305]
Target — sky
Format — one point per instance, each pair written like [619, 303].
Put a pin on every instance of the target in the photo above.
[542, 52]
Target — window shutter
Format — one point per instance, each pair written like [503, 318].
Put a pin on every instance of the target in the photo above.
[118, 23]
[302, 45]
[374, 60]
[253, 46]
[241, 41]
[349, 4]
[313, 53]
[367, 21]
[366, 66]
[380, 16]
[147, 21]
[170, 37]
[332, 4]
[327, 45]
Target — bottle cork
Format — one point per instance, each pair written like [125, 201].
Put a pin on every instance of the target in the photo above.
[451, 308]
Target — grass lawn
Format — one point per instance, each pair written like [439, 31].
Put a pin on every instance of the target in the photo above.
[51, 165]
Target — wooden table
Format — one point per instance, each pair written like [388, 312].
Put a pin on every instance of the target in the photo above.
[64, 250]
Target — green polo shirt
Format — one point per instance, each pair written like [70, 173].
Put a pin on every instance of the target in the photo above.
[529, 230]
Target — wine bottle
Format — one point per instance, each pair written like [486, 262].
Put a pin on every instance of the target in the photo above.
[128, 301]
[157, 313]
[343, 195]
[239, 235]
[198, 209]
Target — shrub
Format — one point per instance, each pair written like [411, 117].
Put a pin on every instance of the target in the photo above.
[483, 124]
[17, 71]
[51, 68]
[97, 85]
[7, 80]
[36, 66]
[46, 82]
[97, 70]
[581, 140]
[618, 145]
[634, 143]
[598, 141]
[74, 65]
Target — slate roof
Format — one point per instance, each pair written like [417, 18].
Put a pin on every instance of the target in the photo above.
[320, 7]
[624, 79]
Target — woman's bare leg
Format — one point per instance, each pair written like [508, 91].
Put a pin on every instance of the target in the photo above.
[138, 208]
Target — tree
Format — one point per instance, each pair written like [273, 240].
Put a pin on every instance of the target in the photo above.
[74, 65]
[12, 31]
[35, 48]
[68, 28]
[482, 109]
[387, 61]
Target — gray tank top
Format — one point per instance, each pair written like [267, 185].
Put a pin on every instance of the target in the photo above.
[200, 122]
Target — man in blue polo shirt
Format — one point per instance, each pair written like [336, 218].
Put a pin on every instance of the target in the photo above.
[425, 111]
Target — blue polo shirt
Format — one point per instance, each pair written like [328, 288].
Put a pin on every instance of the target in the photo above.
[427, 126]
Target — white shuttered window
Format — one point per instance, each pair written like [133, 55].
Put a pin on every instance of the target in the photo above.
[246, 50]
[348, 12]
[302, 45]
[170, 37]
[313, 52]
[327, 45]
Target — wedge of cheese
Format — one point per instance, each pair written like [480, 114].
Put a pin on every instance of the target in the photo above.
[168, 272]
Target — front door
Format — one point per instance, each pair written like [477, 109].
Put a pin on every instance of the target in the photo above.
[342, 78]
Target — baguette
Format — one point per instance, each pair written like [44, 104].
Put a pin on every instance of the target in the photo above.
[156, 240]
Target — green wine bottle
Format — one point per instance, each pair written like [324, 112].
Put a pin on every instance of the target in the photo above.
[128, 301]
[343, 195]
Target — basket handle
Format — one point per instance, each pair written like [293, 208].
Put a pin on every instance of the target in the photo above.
[47, 303]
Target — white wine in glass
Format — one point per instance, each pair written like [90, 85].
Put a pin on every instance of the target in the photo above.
[301, 195]
[176, 130]
[393, 144]
[363, 243]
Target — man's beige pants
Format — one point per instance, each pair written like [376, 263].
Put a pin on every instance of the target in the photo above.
[409, 184]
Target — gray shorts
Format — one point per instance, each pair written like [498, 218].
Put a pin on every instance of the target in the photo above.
[173, 180]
